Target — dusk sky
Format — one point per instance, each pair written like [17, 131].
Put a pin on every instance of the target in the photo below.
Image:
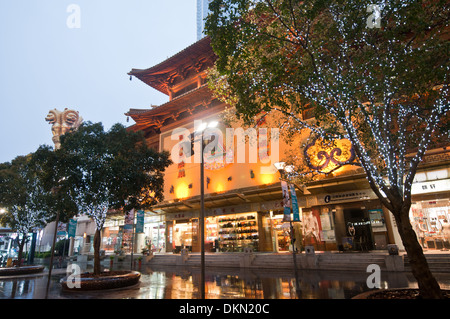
[47, 61]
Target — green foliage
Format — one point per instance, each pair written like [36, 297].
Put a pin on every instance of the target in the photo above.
[49, 175]
[45, 254]
[23, 195]
[100, 170]
[62, 247]
[385, 89]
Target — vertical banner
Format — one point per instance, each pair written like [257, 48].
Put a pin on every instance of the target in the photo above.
[286, 202]
[129, 221]
[140, 221]
[127, 241]
[62, 229]
[295, 209]
[72, 227]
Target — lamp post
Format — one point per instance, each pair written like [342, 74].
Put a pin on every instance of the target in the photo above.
[284, 169]
[200, 130]
[55, 190]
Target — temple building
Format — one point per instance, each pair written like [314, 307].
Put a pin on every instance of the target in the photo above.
[245, 202]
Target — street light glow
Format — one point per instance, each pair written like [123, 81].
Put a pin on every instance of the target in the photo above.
[205, 125]
[202, 127]
[279, 165]
[289, 169]
[213, 124]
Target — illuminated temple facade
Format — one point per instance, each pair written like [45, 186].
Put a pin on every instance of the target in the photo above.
[244, 204]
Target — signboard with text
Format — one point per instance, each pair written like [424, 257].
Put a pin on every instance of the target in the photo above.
[140, 221]
[72, 227]
[295, 208]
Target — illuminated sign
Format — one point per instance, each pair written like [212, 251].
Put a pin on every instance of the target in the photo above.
[326, 157]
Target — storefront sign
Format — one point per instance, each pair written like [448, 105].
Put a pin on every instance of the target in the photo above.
[377, 220]
[442, 185]
[235, 209]
[181, 215]
[345, 196]
[140, 221]
[72, 227]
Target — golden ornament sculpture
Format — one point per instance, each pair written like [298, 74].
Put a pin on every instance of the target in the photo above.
[63, 122]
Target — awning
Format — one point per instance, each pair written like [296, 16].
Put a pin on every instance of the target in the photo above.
[249, 195]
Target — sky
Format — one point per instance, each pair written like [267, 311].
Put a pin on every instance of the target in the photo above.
[55, 55]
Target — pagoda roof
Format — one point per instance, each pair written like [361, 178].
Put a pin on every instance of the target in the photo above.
[157, 116]
[195, 58]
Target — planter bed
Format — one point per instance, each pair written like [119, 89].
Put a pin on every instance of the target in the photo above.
[106, 280]
[23, 270]
[399, 293]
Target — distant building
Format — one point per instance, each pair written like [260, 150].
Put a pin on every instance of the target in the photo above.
[202, 13]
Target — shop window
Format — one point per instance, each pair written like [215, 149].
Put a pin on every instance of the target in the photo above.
[235, 232]
[281, 232]
[430, 221]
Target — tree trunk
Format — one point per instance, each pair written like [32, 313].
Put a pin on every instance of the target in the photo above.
[97, 252]
[428, 285]
[20, 253]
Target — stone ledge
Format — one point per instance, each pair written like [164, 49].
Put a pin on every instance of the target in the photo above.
[23, 270]
[116, 279]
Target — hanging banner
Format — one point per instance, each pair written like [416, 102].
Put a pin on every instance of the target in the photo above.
[62, 229]
[72, 229]
[140, 221]
[286, 202]
[129, 221]
[295, 209]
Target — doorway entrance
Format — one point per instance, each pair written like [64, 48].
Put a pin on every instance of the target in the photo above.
[359, 228]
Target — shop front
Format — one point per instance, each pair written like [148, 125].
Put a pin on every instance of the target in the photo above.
[224, 231]
[430, 213]
[280, 231]
[117, 237]
[346, 221]
[235, 232]
[154, 234]
[352, 220]
[84, 236]
[112, 235]
[8, 245]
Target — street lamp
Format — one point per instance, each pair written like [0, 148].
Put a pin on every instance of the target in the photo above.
[284, 170]
[199, 131]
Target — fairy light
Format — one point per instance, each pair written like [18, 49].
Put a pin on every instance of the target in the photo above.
[94, 207]
[388, 119]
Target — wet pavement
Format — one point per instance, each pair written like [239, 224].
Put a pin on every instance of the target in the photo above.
[221, 283]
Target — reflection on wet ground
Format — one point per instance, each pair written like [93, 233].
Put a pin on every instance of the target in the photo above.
[183, 283]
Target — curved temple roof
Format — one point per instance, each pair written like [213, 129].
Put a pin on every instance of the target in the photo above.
[195, 58]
